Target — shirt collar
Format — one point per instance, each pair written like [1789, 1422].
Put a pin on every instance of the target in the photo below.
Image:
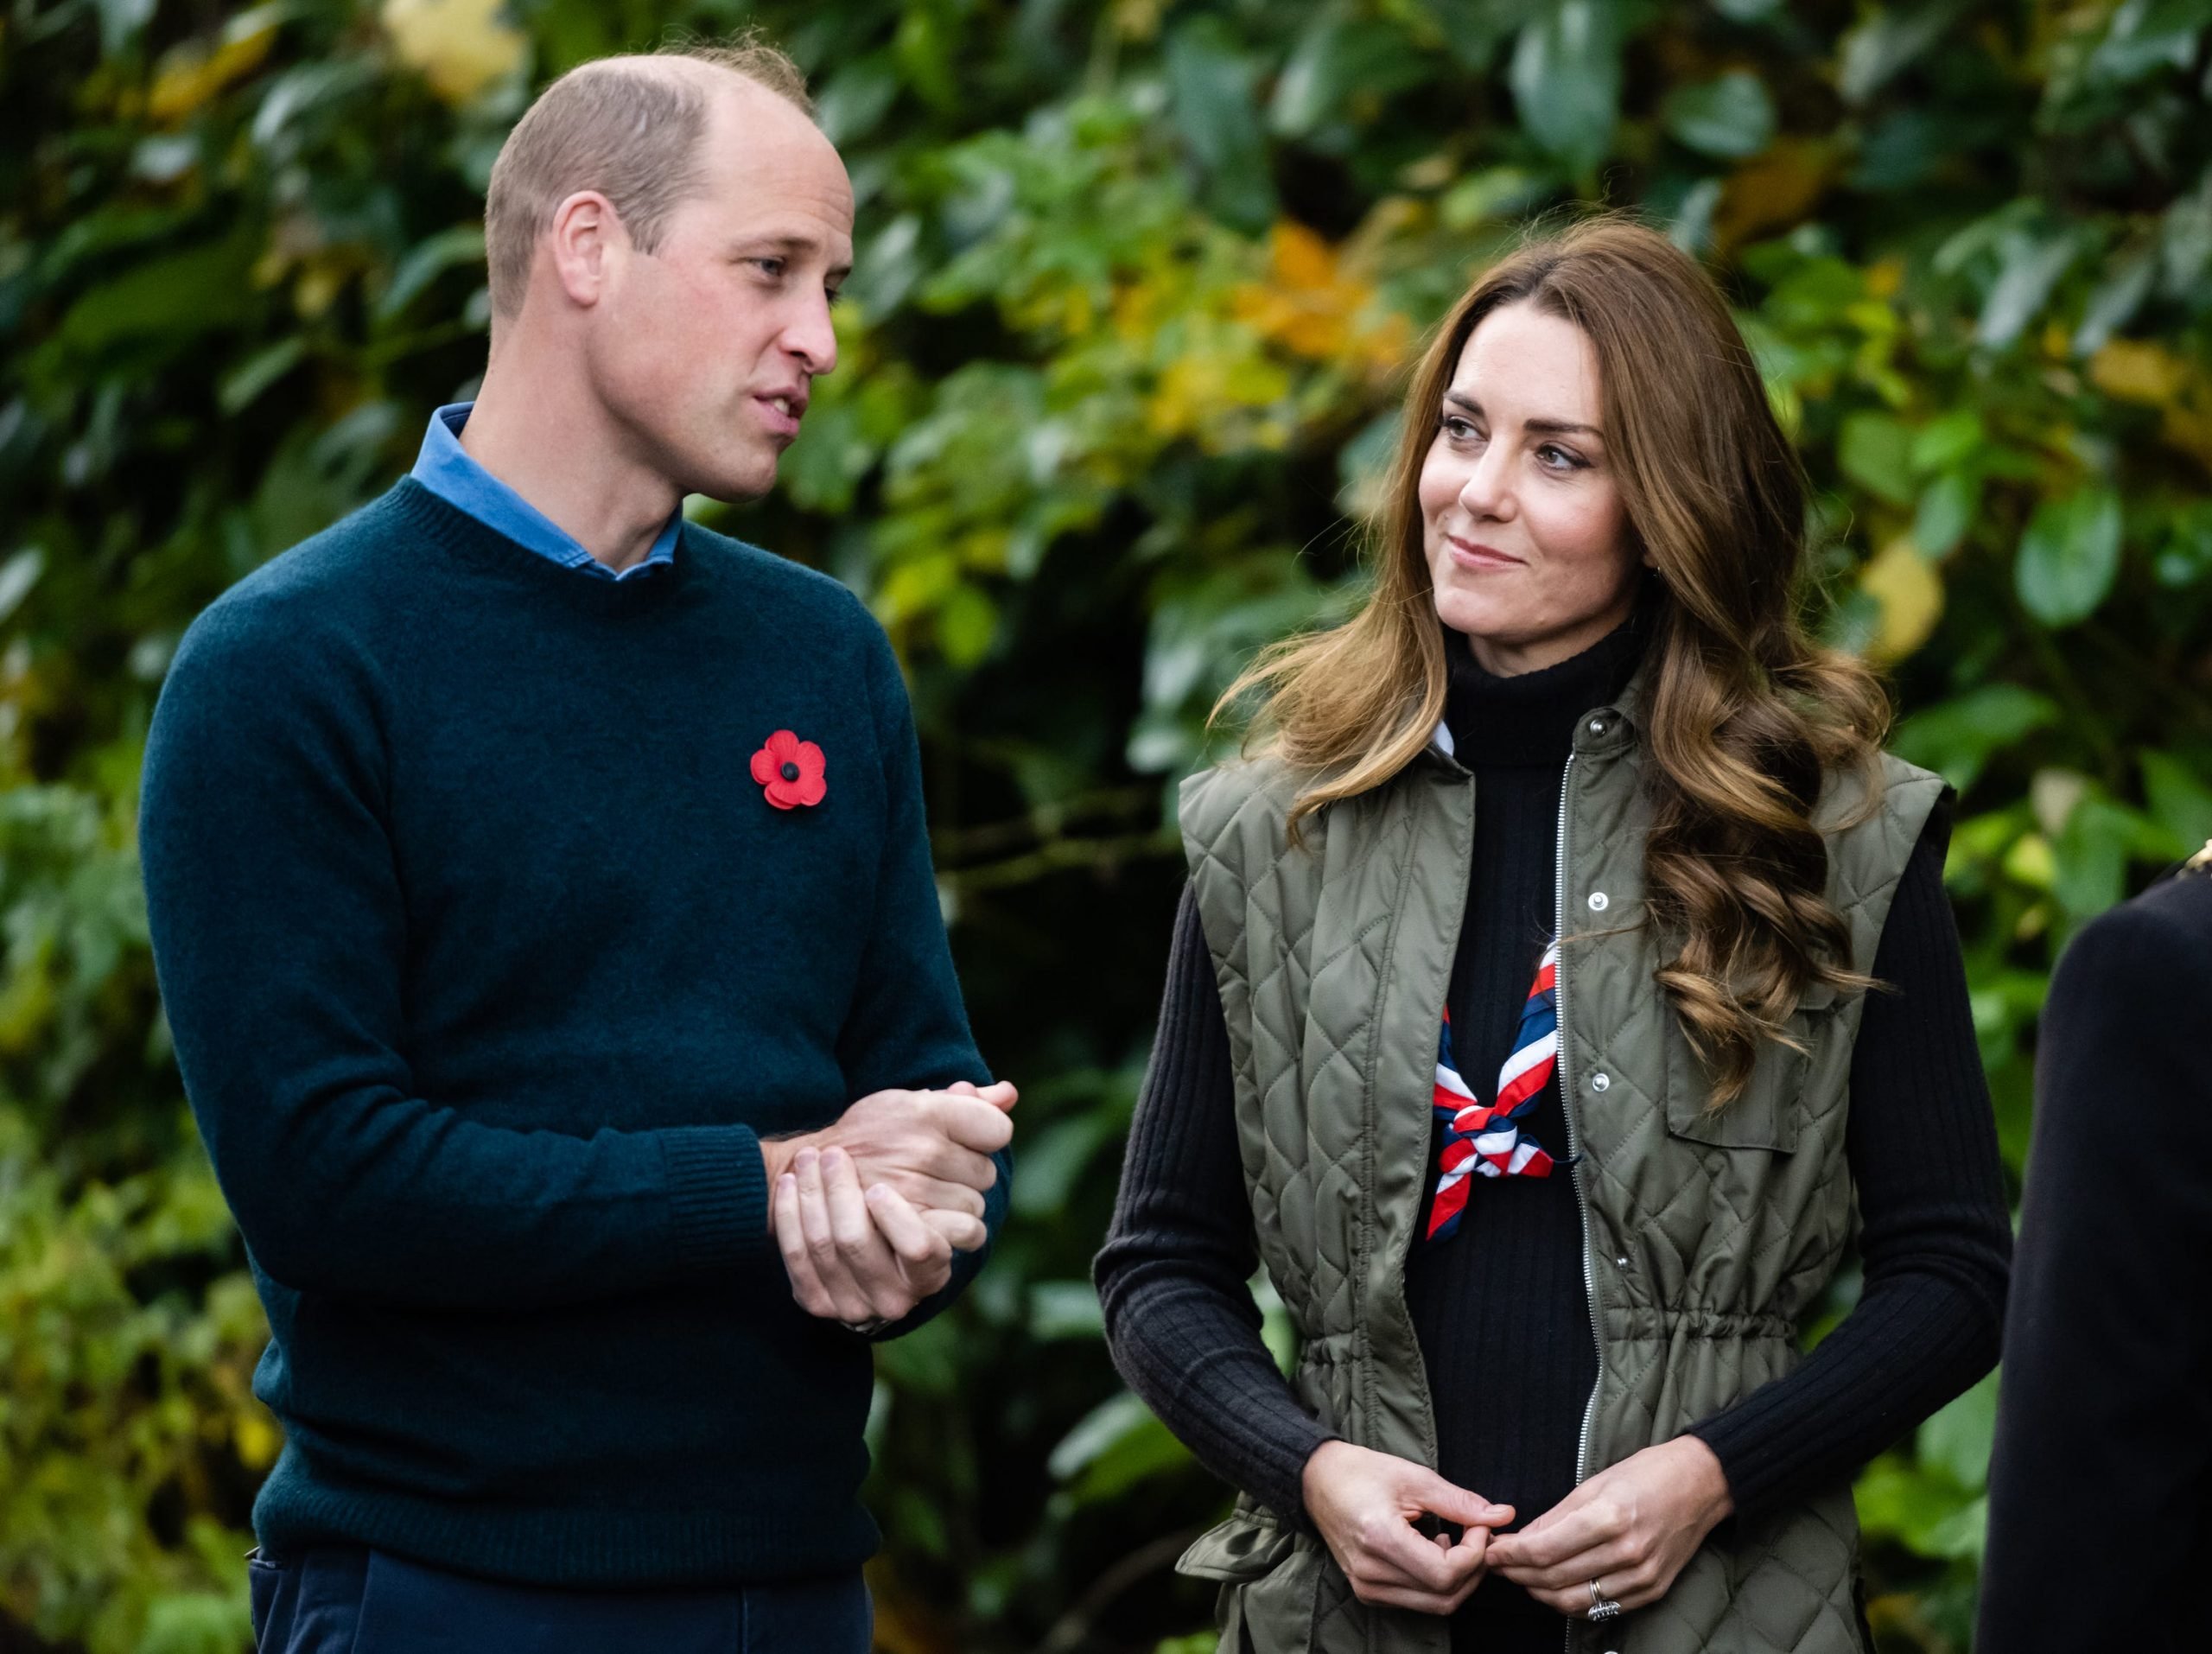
[449, 471]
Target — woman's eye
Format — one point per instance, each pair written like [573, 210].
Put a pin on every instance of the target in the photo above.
[1458, 429]
[1557, 459]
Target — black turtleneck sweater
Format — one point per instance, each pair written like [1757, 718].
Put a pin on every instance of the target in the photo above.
[1500, 1307]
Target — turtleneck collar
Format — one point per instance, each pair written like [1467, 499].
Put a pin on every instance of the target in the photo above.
[1528, 720]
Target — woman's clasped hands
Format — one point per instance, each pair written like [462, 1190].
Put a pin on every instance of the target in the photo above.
[1629, 1529]
[1365, 1503]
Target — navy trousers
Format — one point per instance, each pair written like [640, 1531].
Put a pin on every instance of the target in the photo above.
[352, 1601]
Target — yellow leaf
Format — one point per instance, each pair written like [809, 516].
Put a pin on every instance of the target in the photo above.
[1910, 594]
[190, 74]
[2030, 862]
[460, 47]
[1775, 192]
[257, 1438]
[2135, 370]
[1301, 259]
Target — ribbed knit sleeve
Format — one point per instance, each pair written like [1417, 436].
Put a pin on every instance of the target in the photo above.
[1173, 1274]
[1936, 1238]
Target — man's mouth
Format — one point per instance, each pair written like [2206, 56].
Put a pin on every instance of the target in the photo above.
[783, 411]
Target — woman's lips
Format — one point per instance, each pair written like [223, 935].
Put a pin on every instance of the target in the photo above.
[1478, 559]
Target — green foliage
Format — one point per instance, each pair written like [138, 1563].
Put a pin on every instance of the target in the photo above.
[1135, 284]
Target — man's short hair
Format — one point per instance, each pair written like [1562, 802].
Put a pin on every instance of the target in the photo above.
[627, 127]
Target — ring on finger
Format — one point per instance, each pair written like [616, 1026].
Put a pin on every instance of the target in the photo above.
[1601, 1605]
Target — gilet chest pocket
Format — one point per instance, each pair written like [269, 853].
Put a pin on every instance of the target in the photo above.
[1769, 1113]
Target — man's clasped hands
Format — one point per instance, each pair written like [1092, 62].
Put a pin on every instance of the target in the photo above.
[869, 1211]
[1630, 1527]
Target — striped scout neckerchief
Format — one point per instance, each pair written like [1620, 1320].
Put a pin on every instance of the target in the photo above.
[1487, 1140]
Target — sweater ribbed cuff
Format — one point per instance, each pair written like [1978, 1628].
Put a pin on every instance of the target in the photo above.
[718, 1194]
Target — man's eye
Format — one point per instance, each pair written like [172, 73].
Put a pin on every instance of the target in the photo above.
[767, 266]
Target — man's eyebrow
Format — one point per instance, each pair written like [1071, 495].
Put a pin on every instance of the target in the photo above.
[1543, 426]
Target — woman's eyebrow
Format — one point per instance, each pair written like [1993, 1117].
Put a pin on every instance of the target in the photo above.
[1466, 404]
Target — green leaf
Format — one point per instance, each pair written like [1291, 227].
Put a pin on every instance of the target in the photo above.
[175, 299]
[2070, 555]
[2029, 266]
[1565, 77]
[2180, 800]
[1211, 85]
[1113, 1420]
[1337, 63]
[1887, 41]
[1946, 511]
[426, 261]
[17, 576]
[854, 100]
[1730, 119]
[2091, 856]
[1958, 737]
[1943, 442]
[242, 386]
[1957, 1438]
[2116, 299]
[1114, 1446]
[1065, 1309]
[1875, 451]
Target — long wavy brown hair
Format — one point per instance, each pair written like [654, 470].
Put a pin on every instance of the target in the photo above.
[1744, 715]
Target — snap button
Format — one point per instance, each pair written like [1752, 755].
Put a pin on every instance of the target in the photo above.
[1597, 726]
[1622, 1261]
[1599, 901]
[1601, 1082]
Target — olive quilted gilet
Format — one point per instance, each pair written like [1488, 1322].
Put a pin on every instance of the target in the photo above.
[1708, 1233]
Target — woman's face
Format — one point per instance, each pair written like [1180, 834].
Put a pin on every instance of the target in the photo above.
[1527, 541]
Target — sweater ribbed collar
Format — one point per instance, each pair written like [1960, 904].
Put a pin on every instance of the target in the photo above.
[1527, 721]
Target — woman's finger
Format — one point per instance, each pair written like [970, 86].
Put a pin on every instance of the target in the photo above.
[1396, 1552]
[1561, 1534]
[1407, 1596]
[1617, 1558]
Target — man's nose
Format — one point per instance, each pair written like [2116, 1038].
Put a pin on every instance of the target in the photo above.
[812, 337]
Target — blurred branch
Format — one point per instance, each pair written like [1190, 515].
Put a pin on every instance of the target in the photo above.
[1060, 855]
[1046, 821]
[1072, 1629]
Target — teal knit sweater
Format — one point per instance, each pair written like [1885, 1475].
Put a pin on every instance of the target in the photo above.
[488, 963]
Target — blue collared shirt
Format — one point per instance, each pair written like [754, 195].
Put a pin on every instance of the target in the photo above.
[448, 470]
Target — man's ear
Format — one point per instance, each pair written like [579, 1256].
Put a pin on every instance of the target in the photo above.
[585, 240]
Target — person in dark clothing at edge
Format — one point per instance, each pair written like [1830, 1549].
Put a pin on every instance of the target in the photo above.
[542, 907]
[1578, 701]
[2104, 1414]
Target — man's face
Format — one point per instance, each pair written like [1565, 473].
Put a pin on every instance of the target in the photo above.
[704, 349]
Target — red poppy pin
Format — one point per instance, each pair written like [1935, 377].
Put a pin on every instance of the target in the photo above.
[790, 770]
